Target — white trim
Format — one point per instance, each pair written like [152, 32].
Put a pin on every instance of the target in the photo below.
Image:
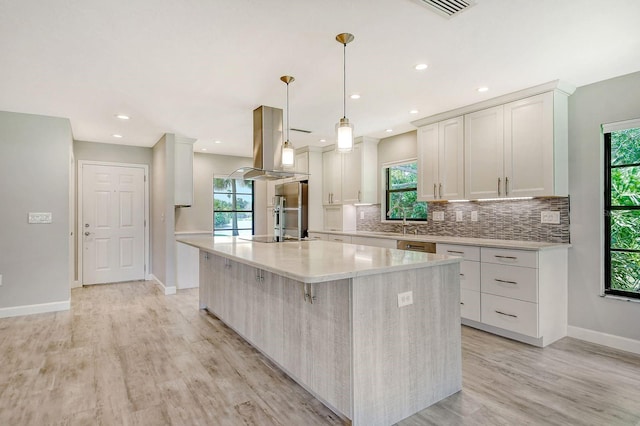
[610, 340]
[75, 284]
[620, 125]
[165, 290]
[147, 228]
[40, 308]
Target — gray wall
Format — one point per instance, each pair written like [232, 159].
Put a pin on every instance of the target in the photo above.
[162, 211]
[199, 217]
[590, 106]
[35, 156]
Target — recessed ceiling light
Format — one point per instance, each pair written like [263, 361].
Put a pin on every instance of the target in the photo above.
[482, 89]
[389, 130]
[122, 117]
[413, 111]
[217, 142]
[203, 149]
[323, 140]
[117, 136]
[355, 96]
[421, 67]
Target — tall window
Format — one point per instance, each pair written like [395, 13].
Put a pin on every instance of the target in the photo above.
[232, 207]
[622, 212]
[402, 193]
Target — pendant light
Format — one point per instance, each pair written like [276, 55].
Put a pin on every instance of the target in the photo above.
[344, 129]
[287, 148]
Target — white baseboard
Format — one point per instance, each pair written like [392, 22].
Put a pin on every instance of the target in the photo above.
[166, 290]
[75, 284]
[41, 308]
[616, 342]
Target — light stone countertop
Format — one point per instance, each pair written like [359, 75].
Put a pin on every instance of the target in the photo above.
[480, 242]
[315, 261]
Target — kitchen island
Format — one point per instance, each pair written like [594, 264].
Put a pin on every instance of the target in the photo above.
[374, 333]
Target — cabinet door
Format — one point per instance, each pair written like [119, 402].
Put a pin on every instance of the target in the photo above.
[528, 146]
[297, 357]
[428, 163]
[331, 177]
[270, 221]
[302, 163]
[483, 147]
[352, 175]
[333, 218]
[451, 159]
[271, 191]
[263, 317]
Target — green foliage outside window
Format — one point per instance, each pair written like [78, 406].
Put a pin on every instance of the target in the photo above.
[232, 206]
[402, 193]
[623, 212]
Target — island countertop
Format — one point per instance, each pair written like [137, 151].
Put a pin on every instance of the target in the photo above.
[315, 261]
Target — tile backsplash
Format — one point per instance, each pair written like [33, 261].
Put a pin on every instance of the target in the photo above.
[504, 220]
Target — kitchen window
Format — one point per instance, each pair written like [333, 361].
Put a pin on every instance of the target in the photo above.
[232, 207]
[622, 209]
[402, 193]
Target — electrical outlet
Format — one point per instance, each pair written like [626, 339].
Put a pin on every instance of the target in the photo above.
[458, 216]
[437, 216]
[547, 216]
[40, 217]
[405, 299]
[474, 216]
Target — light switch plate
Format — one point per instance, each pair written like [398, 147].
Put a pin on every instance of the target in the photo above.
[474, 216]
[43, 217]
[437, 216]
[458, 216]
[547, 216]
[405, 299]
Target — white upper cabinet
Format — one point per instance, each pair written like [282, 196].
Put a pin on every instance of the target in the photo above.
[352, 177]
[518, 149]
[484, 148]
[183, 172]
[441, 160]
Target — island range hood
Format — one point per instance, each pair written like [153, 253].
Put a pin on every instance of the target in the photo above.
[267, 148]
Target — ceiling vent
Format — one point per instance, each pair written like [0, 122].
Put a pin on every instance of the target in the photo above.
[448, 8]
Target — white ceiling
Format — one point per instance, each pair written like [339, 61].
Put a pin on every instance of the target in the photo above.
[198, 68]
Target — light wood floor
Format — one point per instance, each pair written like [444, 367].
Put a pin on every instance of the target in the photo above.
[126, 354]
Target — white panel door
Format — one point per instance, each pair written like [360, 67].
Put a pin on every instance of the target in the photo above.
[113, 224]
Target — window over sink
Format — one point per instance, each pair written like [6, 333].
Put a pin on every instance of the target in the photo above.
[402, 193]
[622, 209]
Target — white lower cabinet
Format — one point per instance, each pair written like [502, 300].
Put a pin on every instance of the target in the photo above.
[520, 294]
[469, 277]
[375, 242]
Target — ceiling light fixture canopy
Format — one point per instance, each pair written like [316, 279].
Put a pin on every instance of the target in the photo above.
[287, 148]
[344, 129]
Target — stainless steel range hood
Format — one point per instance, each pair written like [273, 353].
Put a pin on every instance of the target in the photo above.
[267, 147]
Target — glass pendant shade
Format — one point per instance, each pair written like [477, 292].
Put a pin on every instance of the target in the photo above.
[287, 154]
[344, 131]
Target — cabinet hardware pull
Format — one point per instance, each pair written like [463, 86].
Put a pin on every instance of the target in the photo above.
[507, 315]
[506, 186]
[499, 187]
[206, 256]
[505, 281]
[462, 275]
[506, 257]
[434, 192]
[462, 303]
[440, 191]
[359, 196]
[455, 251]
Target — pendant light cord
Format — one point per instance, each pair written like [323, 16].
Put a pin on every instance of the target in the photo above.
[344, 80]
[288, 112]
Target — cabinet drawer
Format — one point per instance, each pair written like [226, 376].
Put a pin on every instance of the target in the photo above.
[510, 257]
[467, 252]
[470, 275]
[510, 281]
[510, 314]
[470, 304]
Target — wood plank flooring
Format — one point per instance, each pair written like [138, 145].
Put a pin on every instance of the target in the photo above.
[125, 354]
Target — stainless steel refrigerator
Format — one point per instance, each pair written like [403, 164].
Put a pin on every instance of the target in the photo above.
[290, 211]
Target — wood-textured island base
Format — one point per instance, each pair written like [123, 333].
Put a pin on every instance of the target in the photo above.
[346, 340]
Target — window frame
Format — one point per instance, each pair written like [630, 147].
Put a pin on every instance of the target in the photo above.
[387, 192]
[608, 209]
[234, 231]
